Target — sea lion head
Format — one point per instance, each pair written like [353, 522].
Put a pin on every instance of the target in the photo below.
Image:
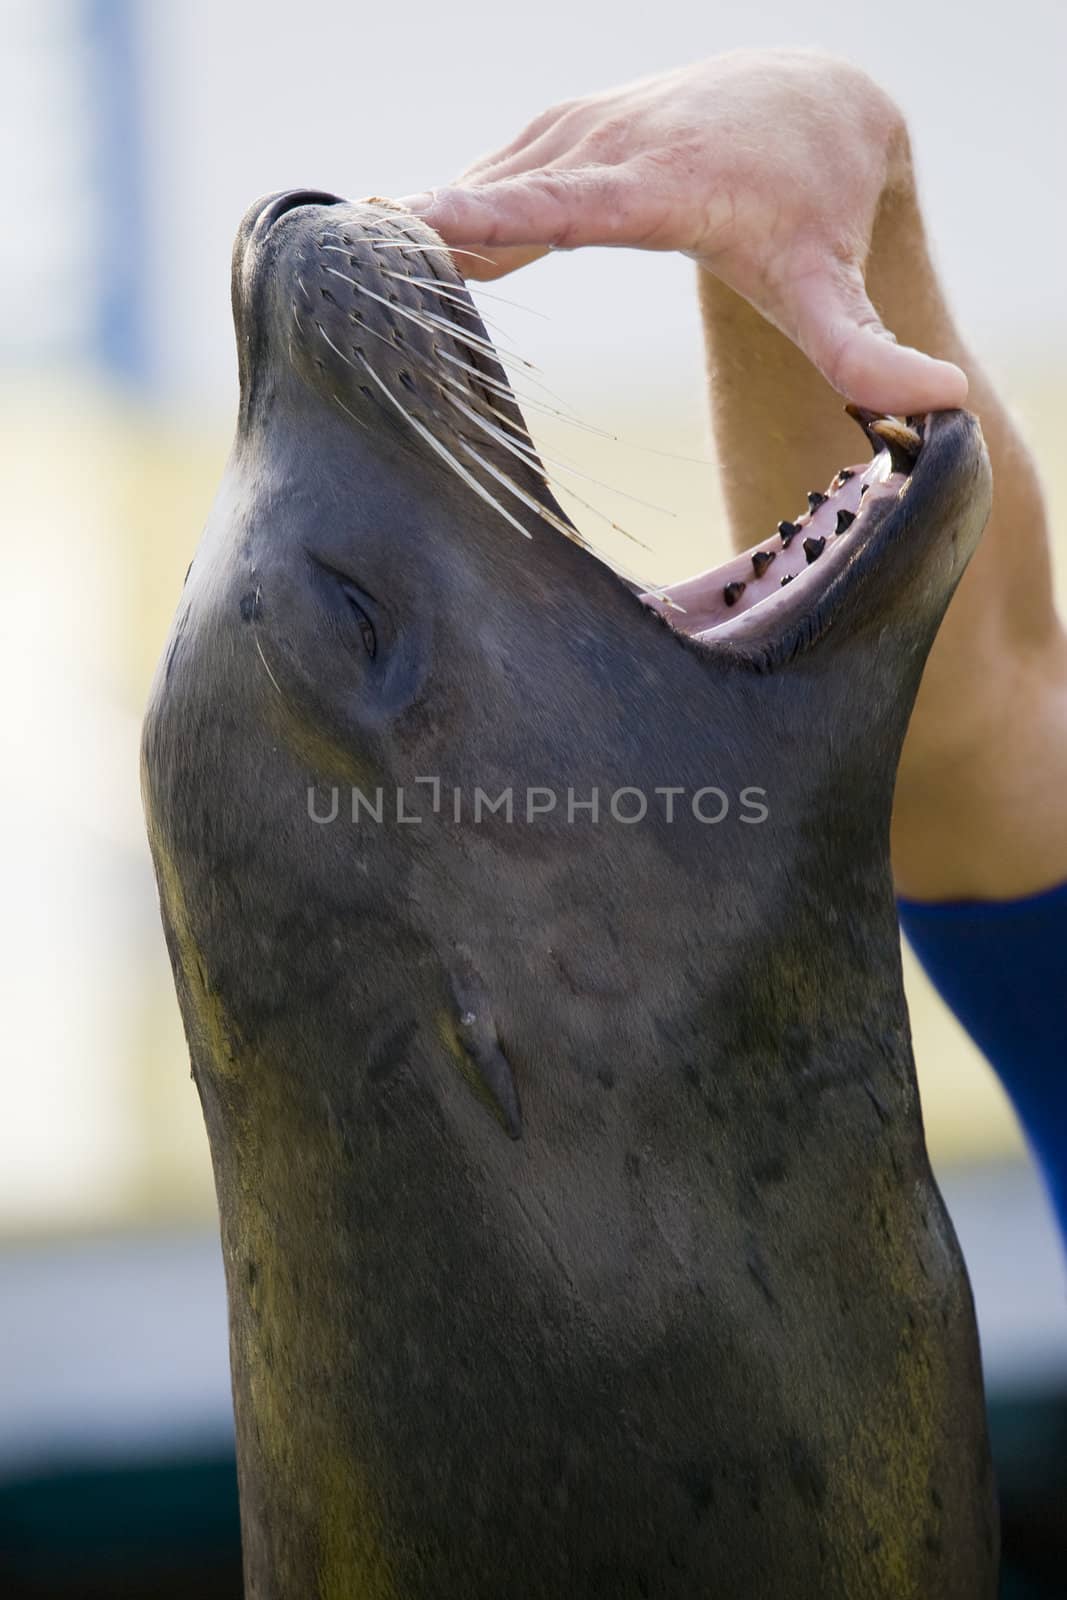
[550, 925]
[389, 600]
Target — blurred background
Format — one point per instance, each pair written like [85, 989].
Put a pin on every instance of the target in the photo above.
[135, 135]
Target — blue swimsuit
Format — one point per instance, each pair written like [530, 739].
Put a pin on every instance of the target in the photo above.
[1002, 968]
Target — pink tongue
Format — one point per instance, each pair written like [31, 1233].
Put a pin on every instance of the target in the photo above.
[714, 597]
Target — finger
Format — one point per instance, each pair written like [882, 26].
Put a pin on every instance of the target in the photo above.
[523, 155]
[839, 330]
[563, 209]
[540, 141]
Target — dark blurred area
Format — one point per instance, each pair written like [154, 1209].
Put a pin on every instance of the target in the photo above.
[151, 1530]
[165, 1529]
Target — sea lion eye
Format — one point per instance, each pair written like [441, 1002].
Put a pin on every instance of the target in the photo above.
[359, 603]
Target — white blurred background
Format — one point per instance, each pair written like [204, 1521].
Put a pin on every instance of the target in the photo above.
[136, 135]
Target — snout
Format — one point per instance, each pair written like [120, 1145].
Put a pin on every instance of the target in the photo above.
[265, 212]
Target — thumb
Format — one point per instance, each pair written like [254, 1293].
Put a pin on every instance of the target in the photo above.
[839, 330]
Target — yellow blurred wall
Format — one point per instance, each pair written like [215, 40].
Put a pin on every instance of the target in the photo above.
[102, 1122]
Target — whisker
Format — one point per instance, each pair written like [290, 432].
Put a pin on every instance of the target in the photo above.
[266, 666]
[475, 255]
[482, 346]
[435, 444]
[426, 320]
[495, 386]
[472, 482]
[578, 472]
[564, 488]
[457, 466]
[441, 377]
[496, 351]
[534, 459]
[410, 359]
[447, 291]
[587, 505]
[457, 383]
[507, 388]
[507, 391]
[435, 375]
[498, 386]
[565, 415]
[555, 522]
[539, 456]
[668, 455]
[483, 294]
[520, 494]
[531, 459]
[527, 455]
[375, 239]
[530, 404]
[402, 244]
[403, 311]
[344, 408]
[450, 298]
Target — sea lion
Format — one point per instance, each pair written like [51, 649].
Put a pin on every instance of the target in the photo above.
[579, 1231]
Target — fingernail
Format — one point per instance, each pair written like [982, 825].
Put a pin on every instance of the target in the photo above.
[416, 202]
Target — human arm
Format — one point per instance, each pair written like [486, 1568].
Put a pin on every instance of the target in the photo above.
[788, 178]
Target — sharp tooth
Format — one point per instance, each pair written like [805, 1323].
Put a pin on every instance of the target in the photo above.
[888, 433]
[902, 442]
[761, 560]
[845, 519]
[845, 474]
[733, 592]
[813, 549]
[788, 531]
[787, 579]
[815, 499]
[865, 418]
[863, 489]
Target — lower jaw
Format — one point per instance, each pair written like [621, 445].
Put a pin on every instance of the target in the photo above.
[794, 564]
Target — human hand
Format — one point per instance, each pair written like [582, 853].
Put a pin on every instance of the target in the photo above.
[767, 168]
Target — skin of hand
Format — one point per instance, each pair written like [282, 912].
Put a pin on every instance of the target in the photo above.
[765, 168]
[788, 178]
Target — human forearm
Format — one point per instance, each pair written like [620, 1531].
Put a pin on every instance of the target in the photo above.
[978, 808]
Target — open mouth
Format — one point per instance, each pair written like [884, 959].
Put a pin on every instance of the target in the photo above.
[748, 592]
[380, 320]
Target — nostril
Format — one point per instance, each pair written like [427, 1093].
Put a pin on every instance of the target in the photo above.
[291, 200]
